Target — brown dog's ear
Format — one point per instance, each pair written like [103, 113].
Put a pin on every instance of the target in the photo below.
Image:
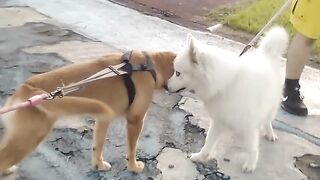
[192, 48]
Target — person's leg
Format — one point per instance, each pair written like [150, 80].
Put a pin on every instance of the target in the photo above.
[298, 55]
[304, 18]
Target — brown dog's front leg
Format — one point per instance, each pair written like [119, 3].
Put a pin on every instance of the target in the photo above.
[134, 127]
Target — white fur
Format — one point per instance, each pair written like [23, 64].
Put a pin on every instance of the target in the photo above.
[241, 94]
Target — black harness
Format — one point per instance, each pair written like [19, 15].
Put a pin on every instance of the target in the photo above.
[129, 67]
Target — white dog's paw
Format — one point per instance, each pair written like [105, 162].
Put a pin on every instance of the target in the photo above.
[249, 167]
[199, 157]
[212, 155]
[271, 137]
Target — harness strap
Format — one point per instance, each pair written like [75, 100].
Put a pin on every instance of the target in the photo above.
[131, 90]
[147, 66]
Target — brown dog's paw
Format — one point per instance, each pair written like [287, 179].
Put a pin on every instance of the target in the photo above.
[9, 171]
[136, 167]
[102, 166]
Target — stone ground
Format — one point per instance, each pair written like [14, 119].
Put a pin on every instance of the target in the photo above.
[36, 39]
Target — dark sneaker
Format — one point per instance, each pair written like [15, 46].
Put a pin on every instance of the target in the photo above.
[292, 102]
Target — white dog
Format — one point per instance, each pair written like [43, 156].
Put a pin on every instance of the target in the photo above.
[240, 94]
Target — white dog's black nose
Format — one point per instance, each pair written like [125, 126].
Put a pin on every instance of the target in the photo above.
[166, 87]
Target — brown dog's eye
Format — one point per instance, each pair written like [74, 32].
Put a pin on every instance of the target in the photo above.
[178, 73]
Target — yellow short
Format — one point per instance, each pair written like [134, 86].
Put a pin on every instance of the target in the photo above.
[305, 17]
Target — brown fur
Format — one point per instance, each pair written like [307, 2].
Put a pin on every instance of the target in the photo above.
[104, 99]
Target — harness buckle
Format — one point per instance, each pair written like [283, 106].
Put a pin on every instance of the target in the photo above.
[144, 67]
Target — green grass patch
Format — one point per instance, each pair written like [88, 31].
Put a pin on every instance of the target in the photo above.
[253, 15]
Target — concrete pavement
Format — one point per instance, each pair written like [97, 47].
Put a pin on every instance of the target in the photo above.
[59, 32]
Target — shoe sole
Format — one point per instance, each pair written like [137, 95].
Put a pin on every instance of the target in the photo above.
[294, 112]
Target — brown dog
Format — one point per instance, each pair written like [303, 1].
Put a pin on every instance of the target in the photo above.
[104, 99]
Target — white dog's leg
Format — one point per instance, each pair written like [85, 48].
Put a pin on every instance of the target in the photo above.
[251, 140]
[270, 135]
[214, 134]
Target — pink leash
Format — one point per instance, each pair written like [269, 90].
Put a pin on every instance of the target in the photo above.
[33, 101]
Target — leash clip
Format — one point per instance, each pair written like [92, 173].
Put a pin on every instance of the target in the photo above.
[56, 93]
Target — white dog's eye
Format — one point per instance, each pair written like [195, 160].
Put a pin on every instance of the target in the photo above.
[178, 73]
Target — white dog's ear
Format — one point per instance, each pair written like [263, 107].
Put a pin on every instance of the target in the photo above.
[192, 48]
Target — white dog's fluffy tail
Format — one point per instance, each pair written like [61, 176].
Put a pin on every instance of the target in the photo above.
[275, 42]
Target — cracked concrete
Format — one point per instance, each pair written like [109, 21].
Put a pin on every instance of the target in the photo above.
[66, 152]
[172, 168]
[285, 149]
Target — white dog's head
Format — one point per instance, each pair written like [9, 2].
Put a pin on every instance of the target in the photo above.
[187, 67]
[201, 68]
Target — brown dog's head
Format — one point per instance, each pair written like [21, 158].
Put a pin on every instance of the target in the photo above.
[163, 65]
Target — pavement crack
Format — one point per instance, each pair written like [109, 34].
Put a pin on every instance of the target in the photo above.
[10, 67]
[68, 153]
[153, 158]
[6, 93]
[210, 170]
[57, 139]
[179, 103]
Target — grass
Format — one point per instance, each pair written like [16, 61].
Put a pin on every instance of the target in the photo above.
[253, 15]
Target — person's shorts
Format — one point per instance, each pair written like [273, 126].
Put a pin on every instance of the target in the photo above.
[305, 17]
